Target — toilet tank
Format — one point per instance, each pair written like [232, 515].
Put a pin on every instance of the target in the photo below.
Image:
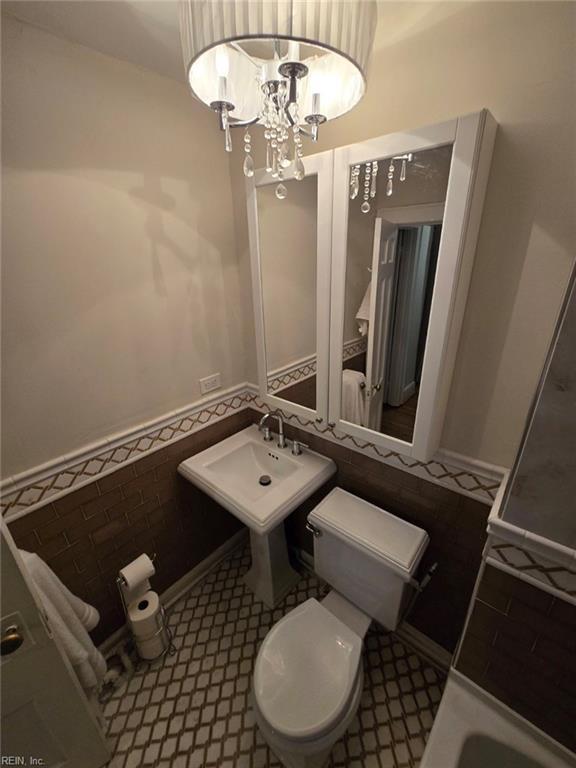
[366, 554]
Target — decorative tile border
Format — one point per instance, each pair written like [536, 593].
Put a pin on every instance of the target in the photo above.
[354, 347]
[279, 381]
[552, 575]
[455, 478]
[307, 368]
[35, 489]
[32, 489]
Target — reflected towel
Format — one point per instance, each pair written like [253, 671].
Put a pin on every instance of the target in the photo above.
[353, 383]
[363, 314]
[70, 619]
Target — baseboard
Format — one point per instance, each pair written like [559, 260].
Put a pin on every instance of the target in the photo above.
[179, 588]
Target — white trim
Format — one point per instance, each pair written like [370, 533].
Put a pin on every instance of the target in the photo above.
[291, 367]
[522, 538]
[105, 448]
[474, 466]
[426, 213]
[319, 165]
[310, 360]
[481, 488]
[41, 484]
[472, 138]
[184, 584]
[532, 542]
[40, 472]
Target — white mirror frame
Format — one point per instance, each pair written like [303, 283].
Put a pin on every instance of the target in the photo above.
[319, 165]
[472, 139]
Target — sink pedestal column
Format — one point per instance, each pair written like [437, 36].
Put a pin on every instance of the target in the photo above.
[271, 576]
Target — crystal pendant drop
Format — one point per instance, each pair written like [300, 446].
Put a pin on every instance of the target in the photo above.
[284, 159]
[268, 157]
[389, 188]
[365, 207]
[281, 191]
[403, 170]
[248, 166]
[299, 170]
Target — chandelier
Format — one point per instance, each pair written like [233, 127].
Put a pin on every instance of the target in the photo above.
[285, 65]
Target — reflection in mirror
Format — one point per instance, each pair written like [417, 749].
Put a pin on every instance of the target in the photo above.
[287, 238]
[394, 225]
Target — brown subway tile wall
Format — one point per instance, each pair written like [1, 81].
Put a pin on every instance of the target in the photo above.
[88, 535]
[456, 525]
[520, 646]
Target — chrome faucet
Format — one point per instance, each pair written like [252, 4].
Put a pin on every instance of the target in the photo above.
[263, 427]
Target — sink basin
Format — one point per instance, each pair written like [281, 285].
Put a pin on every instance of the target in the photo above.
[260, 484]
[246, 465]
[230, 472]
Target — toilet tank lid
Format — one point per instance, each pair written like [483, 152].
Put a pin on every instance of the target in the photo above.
[398, 544]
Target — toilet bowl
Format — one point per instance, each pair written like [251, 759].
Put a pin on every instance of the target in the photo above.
[308, 674]
[308, 681]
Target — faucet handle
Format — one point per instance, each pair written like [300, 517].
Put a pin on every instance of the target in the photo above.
[297, 447]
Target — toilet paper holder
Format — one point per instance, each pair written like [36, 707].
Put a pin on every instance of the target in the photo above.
[121, 583]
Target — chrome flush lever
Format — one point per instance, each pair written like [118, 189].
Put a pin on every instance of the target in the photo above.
[312, 529]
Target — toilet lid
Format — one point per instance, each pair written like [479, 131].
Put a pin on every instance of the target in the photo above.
[305, 671]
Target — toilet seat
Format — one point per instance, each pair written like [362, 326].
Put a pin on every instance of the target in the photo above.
[307, 672]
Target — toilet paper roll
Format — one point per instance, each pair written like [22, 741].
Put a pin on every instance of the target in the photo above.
[137, 571]
[151, 648]
[144, 615]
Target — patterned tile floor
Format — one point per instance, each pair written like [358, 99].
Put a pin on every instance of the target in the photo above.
[192, 709]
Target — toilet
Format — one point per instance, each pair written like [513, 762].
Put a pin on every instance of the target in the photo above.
[308, 675]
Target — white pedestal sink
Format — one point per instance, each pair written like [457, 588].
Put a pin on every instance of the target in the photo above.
[232, 473]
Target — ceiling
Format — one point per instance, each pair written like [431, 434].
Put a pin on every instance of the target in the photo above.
[143, 32]
[146, 32]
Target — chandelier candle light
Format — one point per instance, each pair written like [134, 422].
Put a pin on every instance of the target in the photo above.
[286, 65]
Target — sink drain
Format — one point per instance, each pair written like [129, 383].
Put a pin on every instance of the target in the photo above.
[265, 480]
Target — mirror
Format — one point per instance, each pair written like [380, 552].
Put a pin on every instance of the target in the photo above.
[360, 275]
[395, 216]
[287, 233]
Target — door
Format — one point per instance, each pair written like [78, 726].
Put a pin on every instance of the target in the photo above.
[381, 318]
[414, 259]
[46, 717]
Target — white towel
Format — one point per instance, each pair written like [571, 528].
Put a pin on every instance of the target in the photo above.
[70, 620]
[353, 396]
[363, 314]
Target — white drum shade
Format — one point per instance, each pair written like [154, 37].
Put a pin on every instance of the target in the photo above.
[229, 51]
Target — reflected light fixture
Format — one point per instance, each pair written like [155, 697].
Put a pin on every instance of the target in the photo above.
[370, 175]
[286, 65]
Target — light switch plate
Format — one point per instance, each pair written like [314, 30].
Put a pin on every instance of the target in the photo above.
[210, 383]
